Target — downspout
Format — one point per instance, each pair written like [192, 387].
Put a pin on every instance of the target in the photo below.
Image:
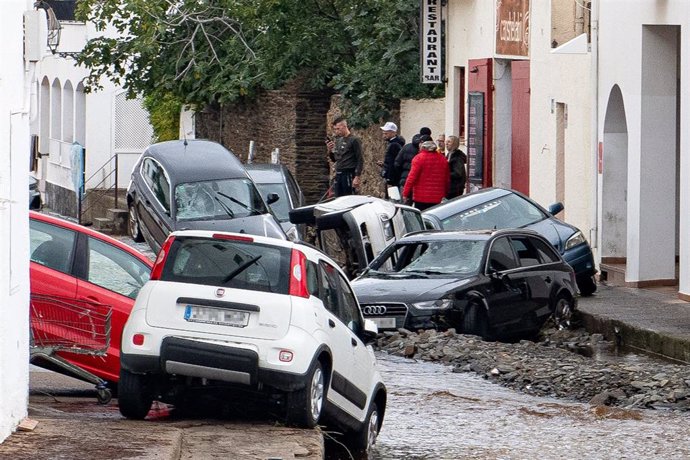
[594, 237]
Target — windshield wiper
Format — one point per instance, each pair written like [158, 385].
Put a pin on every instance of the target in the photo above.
[236, 201]
[225, 207]
[240, 269]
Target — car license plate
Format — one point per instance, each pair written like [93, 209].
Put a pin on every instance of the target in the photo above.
[384, 323]
[220, 316]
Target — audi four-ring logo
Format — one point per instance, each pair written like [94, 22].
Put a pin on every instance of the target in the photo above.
[374, 310]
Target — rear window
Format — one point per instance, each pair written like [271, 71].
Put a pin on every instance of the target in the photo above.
[228, 263]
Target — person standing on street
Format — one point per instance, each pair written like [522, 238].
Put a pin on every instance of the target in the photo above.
[441, 143]
[429, 179]
[394, 143]
[457, 159]
[403, 162]
[346, 152]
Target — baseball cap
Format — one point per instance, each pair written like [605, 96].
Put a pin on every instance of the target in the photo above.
[389, 126]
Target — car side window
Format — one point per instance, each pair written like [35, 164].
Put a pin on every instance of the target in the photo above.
[328, 288]
[51, 246]
[312, 278]
[349, 311]
[114, 269]
[293, 190]
[501, 256]
[526, 252]
[155, 178]
[546, 251]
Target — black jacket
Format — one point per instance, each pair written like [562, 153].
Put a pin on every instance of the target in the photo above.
[457, 159]
[392, 149]
[403, 162]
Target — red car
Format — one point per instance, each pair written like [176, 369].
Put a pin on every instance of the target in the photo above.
[81, 266]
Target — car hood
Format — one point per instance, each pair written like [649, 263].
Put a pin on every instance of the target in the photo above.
[408, 289]
[554, 230]
[262, 225]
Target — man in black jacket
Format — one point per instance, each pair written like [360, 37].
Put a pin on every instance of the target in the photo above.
[393, 146]
[346, 152]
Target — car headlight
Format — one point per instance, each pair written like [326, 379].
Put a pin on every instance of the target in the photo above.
[577, 238]
[440, 304]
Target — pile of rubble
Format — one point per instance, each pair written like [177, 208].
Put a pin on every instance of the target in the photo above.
[559, 365]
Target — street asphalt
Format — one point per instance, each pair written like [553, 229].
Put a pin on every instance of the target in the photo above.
[72, 425]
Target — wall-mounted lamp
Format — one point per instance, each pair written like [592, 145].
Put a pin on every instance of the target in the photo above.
[474, 69]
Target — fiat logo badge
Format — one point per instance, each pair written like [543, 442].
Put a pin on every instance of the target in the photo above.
[220, 292]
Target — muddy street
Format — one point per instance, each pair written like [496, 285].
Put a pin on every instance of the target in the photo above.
[434, 413]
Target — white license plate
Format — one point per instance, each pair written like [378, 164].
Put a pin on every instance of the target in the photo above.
[384, 323]
[220, 316]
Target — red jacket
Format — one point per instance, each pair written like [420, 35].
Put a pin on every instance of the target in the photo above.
[429, 178]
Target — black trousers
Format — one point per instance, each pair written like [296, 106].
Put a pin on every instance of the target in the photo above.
[343, 182]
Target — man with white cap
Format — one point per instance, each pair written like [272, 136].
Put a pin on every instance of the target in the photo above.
[395, 143]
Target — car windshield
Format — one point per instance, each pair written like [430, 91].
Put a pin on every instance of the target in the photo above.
[509, 211]
[228, 263]
[442, 257]
[217, 199]
[280, 208]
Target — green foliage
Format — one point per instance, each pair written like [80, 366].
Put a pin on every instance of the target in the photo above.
[164, 115]
[206, 51]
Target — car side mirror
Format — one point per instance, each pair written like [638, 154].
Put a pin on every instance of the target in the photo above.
[370, 331]
[500, 276]
[272, 198]
[556, 208]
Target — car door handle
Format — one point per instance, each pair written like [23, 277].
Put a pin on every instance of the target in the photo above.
[331, 323]
[547, 279]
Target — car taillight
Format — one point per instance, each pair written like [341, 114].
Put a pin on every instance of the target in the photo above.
[157, 269]
[138, 339]
[298, 274]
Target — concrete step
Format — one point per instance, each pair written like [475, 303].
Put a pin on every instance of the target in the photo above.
[119, 219]
[612, 274]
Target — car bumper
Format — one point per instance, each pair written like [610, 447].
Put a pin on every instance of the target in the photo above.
[399, 315]
[581, 259]
[201, 359]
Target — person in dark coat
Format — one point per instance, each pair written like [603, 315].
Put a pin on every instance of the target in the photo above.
[394, 143]
[403, 162]
[457, 161]
[346, 152]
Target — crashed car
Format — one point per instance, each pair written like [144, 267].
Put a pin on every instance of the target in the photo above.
[354, 229]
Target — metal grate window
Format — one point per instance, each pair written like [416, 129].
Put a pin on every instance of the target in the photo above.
[132, 128]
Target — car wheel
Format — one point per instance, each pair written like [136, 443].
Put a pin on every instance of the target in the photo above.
[134, 395]
[305, 405]
[587, 286]
[365, 438]
[133, 225]
[475, 321]
[563, 312]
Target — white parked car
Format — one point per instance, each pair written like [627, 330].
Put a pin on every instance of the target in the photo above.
[255, 313]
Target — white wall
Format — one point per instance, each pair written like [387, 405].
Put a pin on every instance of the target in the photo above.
[14, 223]
[416, 113]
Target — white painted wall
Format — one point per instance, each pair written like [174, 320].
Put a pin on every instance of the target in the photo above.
[621, 45]
[14, 223]
[416, 113]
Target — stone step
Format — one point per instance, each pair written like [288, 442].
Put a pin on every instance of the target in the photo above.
[612, 274]
[119, 219]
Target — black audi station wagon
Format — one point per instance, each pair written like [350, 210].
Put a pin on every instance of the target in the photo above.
[501, 284]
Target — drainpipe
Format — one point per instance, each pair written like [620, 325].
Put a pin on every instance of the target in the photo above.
[594, 232]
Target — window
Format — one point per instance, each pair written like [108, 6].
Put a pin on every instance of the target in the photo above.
[328, 289]
[116, 270]
[229, 263]
[349, 311]
[501, 256]
[569, 20]
[509, 211]
[546, 252]
[155, 178]
[527, 253]
[51, 245]
[338, 298]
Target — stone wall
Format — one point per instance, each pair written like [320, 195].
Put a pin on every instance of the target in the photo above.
[296, 121]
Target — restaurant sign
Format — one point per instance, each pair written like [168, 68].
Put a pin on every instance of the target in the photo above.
[430, 49]
[512, 27]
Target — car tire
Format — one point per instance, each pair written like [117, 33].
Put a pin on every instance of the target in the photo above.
[475, 321]
[364, 439]
[586, 285]
[306, 404]
[134, 395]
[563, 312]
[133, 224]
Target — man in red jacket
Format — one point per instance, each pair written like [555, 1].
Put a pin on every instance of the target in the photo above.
[429, 179]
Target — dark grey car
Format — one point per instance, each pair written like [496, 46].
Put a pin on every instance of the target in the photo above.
[194, 185]
[276, 178]
[495, 284]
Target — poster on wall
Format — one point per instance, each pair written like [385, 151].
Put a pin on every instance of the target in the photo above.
[512, 27]
[430, 42]
[475, 139]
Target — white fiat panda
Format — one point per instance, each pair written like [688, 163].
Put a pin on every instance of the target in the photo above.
[255, 313]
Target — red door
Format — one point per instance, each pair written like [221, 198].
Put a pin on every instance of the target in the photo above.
[480, 81]
[519, 160]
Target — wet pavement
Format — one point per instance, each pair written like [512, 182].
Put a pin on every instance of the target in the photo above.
[436, 414]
